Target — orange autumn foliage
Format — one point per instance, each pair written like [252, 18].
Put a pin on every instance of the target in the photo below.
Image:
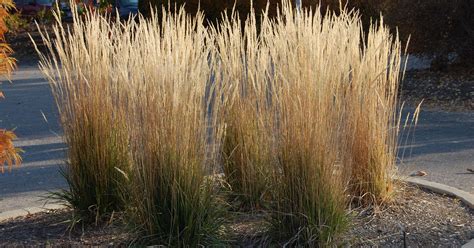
[9, 155]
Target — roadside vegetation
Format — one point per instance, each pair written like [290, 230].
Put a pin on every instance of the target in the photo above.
[173, 123]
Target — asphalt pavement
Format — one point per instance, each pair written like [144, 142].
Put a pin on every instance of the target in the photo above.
[29, 108]
[442, 145]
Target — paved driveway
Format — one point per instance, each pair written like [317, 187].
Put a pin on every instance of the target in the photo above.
[30, 109]
[442, 145]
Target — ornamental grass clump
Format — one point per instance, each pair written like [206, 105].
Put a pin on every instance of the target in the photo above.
[137, 116]
[244, 67]
[374, 115]
[333, 103]
[80, 68]
[174, 129]
[300, 110]
[311, 56]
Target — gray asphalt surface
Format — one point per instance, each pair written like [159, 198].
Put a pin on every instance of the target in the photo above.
[442, 145]
[30, 109]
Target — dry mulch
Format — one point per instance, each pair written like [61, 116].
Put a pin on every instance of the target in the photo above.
[52, 228]
[416, 217]
[451, 90]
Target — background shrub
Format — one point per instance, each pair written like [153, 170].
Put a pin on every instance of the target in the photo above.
[7, 63]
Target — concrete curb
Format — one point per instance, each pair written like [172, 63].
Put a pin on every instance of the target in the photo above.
[439, 188]
[26, 211]
[469, 245]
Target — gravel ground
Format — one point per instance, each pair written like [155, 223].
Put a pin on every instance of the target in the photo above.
[428, 219]
[451, 90]
[416, 218]
[52, 229]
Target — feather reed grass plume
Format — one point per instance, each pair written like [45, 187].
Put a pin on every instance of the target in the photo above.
[135, 105]
[308, 102]
[244, 66]
[81, 68]
[172, 121]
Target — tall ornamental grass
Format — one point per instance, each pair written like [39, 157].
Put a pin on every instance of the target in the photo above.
[312, 57]
[134, 101]
[242, 70]
[172, 117]
[315, 100]
[300, 111]
[374, 115]
[80, 68]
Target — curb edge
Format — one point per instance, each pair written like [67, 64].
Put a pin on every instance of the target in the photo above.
[11, 214]
[439, 188]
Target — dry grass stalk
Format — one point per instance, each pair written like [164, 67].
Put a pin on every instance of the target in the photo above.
[308, 101]
[244, 65]
[134, 105]
[80, 67]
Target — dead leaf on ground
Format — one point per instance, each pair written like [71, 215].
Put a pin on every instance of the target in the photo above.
[419, 174]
